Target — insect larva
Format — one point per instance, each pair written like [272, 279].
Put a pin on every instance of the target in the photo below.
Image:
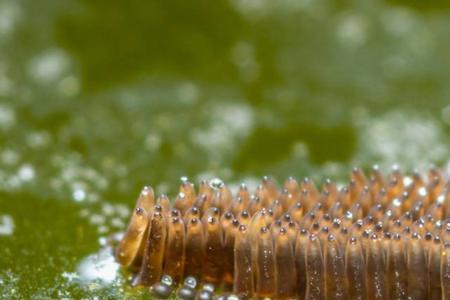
[375, 238]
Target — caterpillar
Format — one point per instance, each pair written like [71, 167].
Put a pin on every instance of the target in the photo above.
[377, 237]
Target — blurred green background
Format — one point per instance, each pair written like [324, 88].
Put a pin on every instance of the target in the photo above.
[98, 98]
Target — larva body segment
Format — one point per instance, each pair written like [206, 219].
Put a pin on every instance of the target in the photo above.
[194, 249]
[264, 261]
[355, 270]
[445, 272]
[315, 283]
[335, 279]
[417, 278]
[375, 270]
[130, 245]
[434, 264]
[243, 275]
[284, 256]
[174, 255]
[300, 261]
[151, 269]
[212, 268]
[397, 269]
[374, 238]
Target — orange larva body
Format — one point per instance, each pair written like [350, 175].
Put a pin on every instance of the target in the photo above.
[376, 238]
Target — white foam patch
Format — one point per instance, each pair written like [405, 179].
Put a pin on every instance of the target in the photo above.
[49, 66]
[230, 122]
[412, 141]
[100, 267]
[7, 116]
[9, 15]
[352, 30]
[6, 225]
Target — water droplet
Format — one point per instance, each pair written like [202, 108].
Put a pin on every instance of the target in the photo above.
[216, 183]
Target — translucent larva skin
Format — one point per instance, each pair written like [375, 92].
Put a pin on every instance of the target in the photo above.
[417, 277]
[292, 187]
[375, 270]
[188, 190]
[243, 273]
[164, 202]
[434, 265]
[300, 262]
[284, 256]
[315, 277]
[397, 269]
[194, 248]
[335, 280]
[296, 211]
[228, 247]
[212, 268]
[445, 272]
[355, 270]
[312, 194]
[131, 244]
[264, 259]
[174, 255]
[151, 269]
[244, 197]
